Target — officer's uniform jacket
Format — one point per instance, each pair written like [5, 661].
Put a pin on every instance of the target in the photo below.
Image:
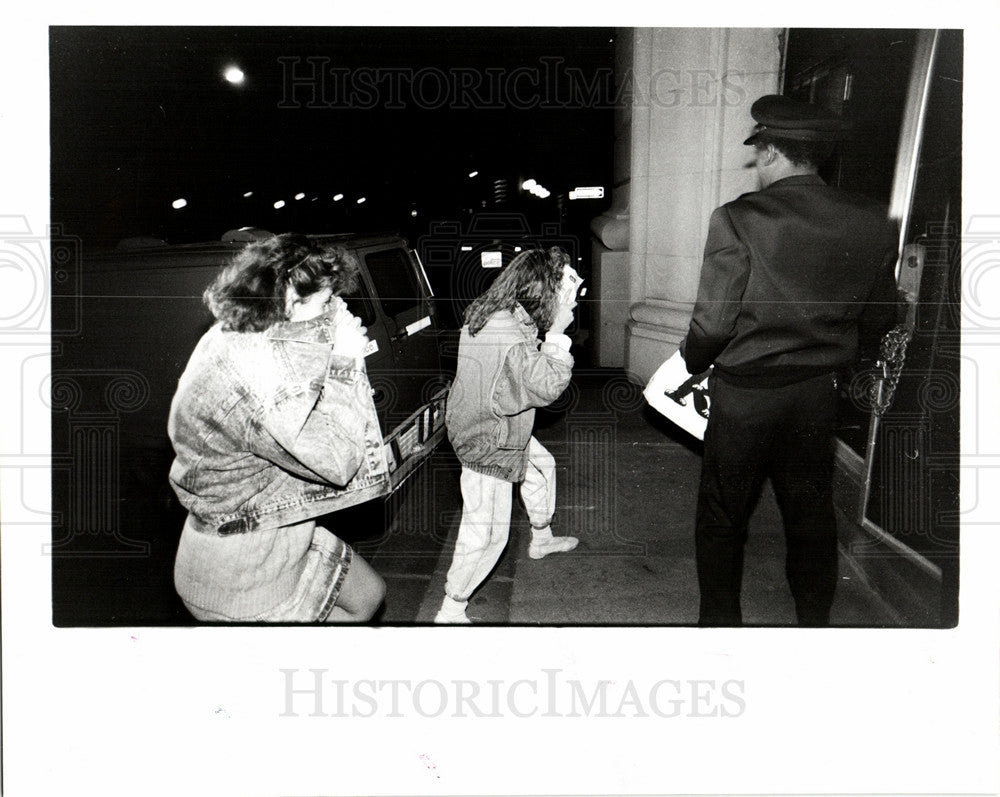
[793, 276]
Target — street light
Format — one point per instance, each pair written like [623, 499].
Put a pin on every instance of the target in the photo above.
[177, 204]
[234, 75]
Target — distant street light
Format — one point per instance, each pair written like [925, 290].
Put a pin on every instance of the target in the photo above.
[234, 75]
[361, 200]
[248, 194]
[473, 174]
[177, 204]
[279, 204]
[338, 197]
[300, 196]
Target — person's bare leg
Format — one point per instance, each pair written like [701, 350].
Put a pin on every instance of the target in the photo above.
[361, 594]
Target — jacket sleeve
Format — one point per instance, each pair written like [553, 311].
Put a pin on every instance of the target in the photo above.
[319, 428]
[532, 377]
[724, 274]
[882, 306]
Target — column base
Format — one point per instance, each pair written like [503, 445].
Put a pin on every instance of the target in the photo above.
[653, 334]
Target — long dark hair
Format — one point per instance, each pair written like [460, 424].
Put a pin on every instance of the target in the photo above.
[248, 295]
[532, 280]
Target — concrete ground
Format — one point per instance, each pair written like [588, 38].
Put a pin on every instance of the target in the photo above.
[627, 488]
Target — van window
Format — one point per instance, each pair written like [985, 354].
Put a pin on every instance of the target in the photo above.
[360, 303]
[395, 282]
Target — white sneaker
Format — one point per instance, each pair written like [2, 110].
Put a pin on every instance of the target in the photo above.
[542, 548]
[451, 619]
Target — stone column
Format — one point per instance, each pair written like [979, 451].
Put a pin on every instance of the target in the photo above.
[609, 250]
[688, 93]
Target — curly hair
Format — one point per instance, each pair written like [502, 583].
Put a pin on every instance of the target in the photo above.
[532, 280]
[249, 294]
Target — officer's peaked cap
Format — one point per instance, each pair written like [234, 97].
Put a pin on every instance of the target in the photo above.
[783, 117]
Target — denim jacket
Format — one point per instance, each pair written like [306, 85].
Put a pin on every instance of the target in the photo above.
[272, 428]
[502, 376]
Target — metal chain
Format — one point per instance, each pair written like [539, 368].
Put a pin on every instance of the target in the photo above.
[892, 354]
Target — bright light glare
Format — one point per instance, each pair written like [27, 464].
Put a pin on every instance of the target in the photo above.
[338, 197]
[234, 75]
[527, 185]
[473, 174]
[300, 196]
[279, 204]
[362, 199]
[413, 213]
[248, 194]
[177, 204]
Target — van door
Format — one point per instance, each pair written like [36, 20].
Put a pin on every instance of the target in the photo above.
[404, 299]
[411, 396]
[379, 361]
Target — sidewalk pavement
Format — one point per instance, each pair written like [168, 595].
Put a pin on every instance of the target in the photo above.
[627, 485]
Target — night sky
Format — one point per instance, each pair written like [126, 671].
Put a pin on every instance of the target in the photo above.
[141, 117]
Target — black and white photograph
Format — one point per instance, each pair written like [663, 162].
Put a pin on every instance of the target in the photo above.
[439, 163]
[572, 370]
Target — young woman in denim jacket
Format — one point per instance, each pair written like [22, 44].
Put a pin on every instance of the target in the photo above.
[273, 425]
[504, 373]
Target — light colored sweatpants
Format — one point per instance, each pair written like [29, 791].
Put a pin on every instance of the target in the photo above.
[485, 526]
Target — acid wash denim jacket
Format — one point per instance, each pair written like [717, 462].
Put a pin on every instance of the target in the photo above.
[272, 428]
[502, 377]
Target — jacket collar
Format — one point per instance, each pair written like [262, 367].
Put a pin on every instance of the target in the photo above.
[516, 320]
[798, 179]
[522, 316]
[316, 329]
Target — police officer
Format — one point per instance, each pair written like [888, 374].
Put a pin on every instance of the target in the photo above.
[794, 276]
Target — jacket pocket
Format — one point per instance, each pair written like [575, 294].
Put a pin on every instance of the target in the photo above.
[514, 431]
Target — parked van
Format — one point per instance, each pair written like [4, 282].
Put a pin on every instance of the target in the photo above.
[122, 336]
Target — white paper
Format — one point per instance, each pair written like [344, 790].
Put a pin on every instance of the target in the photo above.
[679, 396]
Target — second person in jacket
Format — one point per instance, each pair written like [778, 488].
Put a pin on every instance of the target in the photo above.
[504, 373]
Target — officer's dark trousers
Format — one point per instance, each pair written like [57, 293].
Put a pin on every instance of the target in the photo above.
[785, 433]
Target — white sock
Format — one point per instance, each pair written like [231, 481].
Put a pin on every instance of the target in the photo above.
[452, 611]
[543, 542]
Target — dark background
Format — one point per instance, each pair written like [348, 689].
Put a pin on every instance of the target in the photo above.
[143, 116]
